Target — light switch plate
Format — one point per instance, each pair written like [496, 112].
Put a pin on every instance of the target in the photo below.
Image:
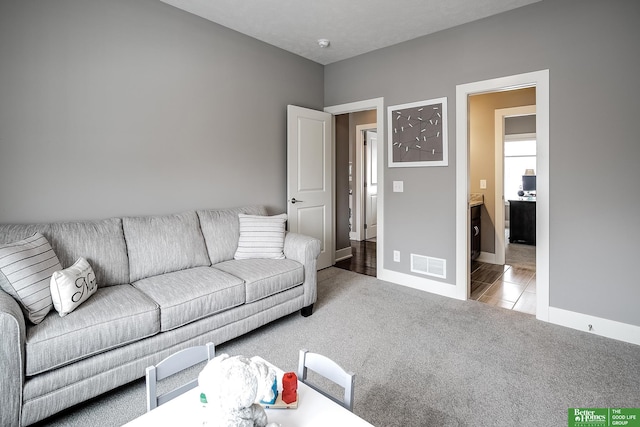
[483, 184]
[398, 186]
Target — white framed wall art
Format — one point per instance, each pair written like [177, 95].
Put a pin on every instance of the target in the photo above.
[417, 134]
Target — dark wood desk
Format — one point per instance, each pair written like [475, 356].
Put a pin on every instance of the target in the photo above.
[522, 221]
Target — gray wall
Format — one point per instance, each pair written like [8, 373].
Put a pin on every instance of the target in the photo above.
[114, 107]
[118, 107]
[590, 48]
[520, 124]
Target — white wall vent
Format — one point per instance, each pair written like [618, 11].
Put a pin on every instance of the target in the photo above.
[428, 265]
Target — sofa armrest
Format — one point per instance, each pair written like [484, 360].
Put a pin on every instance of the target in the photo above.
[305, 250]
[12, 330]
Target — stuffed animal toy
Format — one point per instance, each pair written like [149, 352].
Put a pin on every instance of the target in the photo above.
[231, 386]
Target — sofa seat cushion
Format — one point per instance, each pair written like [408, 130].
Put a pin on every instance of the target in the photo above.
[112, 317]
[264, 277]
[188, 295]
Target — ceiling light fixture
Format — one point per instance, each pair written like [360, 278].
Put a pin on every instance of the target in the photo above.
[323, 43]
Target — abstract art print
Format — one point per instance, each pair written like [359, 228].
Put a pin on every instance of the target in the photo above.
[418, 134]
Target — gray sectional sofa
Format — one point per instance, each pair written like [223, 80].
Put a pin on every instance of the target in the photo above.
[164, 283]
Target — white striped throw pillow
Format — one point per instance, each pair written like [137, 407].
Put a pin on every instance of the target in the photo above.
[26, 267]
[261, 236]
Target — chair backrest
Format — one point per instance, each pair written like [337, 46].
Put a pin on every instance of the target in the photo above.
[329, 369]
[171, 365]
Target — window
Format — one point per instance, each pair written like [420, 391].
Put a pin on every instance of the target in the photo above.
[519, 155]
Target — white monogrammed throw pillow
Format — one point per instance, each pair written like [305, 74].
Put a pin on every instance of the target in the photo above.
[72, 286]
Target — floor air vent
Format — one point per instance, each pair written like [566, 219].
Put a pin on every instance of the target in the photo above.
[428, 265]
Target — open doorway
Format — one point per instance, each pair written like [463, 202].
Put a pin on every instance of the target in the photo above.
[322, 223]
[363, 184]
[516, 163]
[497, 161]
[539, 80]
[357, 141]
[504, 274]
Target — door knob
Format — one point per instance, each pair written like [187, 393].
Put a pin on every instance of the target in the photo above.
[294, 201]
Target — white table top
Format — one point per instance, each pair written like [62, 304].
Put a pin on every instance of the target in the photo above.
[313, 410]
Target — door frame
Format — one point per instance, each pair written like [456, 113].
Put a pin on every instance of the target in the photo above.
[353, 107]
[500, 115]
[359, 193]
[370, 151]
[539, 79]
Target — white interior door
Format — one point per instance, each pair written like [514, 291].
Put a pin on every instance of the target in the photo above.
[309, 178]
[371, 184]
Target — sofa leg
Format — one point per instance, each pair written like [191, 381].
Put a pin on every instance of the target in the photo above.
[307, 311]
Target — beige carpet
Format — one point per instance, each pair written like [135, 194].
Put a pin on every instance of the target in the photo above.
[426, 360]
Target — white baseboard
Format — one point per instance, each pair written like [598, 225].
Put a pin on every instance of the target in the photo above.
[342, 254]
[603, 327]
[420, 283]
[487, 257]
[599, 326]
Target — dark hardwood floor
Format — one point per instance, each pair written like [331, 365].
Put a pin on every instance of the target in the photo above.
[363, 260]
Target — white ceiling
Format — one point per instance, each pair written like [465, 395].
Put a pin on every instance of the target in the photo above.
[354, 27]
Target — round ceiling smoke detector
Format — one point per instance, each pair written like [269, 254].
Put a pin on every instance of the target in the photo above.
[323, 43]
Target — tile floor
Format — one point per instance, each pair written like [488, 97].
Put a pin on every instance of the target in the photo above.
[511, 286]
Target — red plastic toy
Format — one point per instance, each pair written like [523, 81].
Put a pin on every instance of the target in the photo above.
[289, 387]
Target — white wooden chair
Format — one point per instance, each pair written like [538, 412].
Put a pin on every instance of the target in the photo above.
[329, 369]
[171, 365]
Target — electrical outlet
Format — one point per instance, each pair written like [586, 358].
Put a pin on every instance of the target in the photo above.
[398, 186]
[396, 256]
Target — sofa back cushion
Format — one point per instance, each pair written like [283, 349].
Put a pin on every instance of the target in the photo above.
[163, 244]
[101, 243]
[10, 233]
[221, 230]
